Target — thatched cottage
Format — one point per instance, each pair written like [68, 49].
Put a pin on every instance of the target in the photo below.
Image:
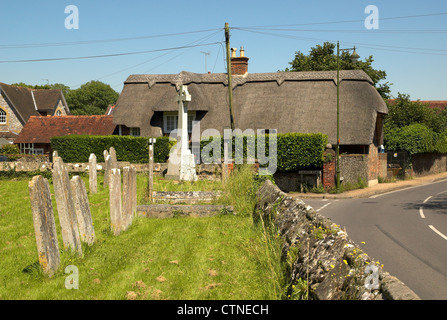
[286, 101]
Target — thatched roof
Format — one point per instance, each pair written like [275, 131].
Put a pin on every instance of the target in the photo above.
[287, 101]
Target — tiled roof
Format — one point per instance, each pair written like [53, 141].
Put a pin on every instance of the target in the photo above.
[42, 129]
[28, 102]
[441, 104]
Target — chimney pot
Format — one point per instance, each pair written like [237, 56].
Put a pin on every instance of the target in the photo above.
[239, 65]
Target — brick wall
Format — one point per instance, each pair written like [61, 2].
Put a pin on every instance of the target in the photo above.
[329, 169]
[239, 66]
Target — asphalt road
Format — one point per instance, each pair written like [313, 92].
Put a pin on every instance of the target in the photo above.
[406, 230]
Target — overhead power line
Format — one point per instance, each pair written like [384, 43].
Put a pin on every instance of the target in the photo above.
[54, 44]
[427, 51]
[107, 55]
[346, 21]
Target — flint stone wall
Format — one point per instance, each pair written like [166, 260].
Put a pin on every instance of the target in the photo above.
[324, 255]
[204, 171]
[171, 211]
[186, 197]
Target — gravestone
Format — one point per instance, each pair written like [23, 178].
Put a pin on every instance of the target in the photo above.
[54, 155]
[116, 216]
[112, 154]
[106, 169]
[83, 214]
[181, 165]
[129, 195]
[65, 206]
[44, 225]
[92, 174]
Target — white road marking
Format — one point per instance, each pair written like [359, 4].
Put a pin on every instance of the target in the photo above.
[404, 189]
[324, 206]
[421, 213]
[438, 232]
[427, 199]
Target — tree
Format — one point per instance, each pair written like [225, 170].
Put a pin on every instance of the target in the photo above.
[403, 112]
[56, 86]
[324, 58]
[91, 98]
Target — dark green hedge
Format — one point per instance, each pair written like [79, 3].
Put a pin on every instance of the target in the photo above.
[295, 151]
[415, 138]
[77, 148]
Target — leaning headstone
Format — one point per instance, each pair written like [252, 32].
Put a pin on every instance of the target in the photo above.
[65, 206]
[83, 214]
[112, 153]
[116, 218]
[129, 195]
[92, 174]
[106, 169]
[44, 225]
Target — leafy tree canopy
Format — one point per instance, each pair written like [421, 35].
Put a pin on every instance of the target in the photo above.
[91, 98]
[403, 112]
[324, 58]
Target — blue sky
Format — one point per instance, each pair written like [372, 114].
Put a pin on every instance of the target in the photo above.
[410, 47]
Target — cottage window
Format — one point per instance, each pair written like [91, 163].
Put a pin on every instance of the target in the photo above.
[170, 121]
[135, 132]
[58, 113]
[38, 151]
[2, 116]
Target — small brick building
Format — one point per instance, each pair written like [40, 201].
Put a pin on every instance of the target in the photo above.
[35, 137]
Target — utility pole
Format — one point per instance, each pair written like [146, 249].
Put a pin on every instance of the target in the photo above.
[230, 86]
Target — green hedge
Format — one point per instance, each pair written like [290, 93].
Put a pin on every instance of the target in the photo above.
[415, 138]
[295, 151]
[77, 148]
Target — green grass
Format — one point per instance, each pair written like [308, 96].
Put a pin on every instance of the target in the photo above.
[222, 257]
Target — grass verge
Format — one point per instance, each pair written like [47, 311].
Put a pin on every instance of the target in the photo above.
[218, 258]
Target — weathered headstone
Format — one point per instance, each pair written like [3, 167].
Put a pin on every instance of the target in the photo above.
[112, 154]
[106, 169]
[83, 214]
[65, 206]
[181, 165]
[92, 173]
[54, 155]
[129, 195]
[44, 225]
[116, 216]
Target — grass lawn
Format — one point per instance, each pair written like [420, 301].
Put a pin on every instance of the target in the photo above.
[222, 257]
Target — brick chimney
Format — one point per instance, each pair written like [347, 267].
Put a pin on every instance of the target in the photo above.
[239, 65]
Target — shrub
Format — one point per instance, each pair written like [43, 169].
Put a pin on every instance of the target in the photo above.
[77, 148]
[295, 151]
[415, 138]
[10, 149]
